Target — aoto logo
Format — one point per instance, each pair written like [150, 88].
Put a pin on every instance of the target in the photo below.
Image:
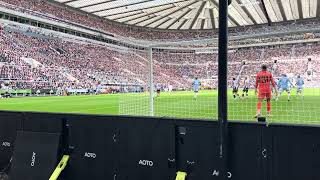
[146, 163]
[217, 173]
[33, 159]
[6, 144]
[90, 155]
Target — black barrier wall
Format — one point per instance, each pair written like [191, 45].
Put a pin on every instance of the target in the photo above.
[245, 151]
[197, 145]
[151, 148]
[136, 148]
[10, 123]
[295, 152]
[35, 155]
[97, 147]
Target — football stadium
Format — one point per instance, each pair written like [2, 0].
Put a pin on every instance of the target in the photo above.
[159, 89]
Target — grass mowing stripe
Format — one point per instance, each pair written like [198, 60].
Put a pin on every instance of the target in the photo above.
[176, 104]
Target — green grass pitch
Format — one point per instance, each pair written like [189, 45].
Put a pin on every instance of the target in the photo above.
[175, 104]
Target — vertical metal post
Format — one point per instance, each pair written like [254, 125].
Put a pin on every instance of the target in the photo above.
[222, 85]
[151, 85]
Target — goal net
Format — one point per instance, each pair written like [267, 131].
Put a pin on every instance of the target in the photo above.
[295, 74]
[184, 82]
[134, 99]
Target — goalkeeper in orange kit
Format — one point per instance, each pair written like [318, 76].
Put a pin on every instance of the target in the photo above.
[264, 81]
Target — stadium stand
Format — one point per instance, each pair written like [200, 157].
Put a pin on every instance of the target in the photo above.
[56, 62]
[52, 48]
[30, 59]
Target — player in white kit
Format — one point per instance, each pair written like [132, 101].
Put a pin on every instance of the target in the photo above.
[235, 88]
[246, 85]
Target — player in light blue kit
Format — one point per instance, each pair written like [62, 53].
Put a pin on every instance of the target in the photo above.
[285, 84]
[278, 83]
[300, 84]
[98, 88]
[196, 87]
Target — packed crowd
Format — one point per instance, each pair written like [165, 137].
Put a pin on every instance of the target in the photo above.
[64, 14]
[69, 63]
[33, 61]
[246, 62]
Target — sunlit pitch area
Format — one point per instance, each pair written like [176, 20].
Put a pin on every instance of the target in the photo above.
[175, 104]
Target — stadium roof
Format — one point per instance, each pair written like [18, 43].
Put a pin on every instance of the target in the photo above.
[196, 14]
